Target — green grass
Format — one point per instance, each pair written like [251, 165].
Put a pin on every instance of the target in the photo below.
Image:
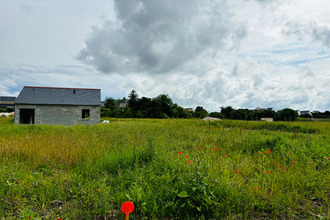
[269, 170]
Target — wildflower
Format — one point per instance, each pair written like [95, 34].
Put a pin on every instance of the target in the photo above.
[59, 219]
[267, 172]
[211, 150]
[236, 171]
[219, 148]
[180, 152]
[29, 217]
[328, 158]
[269, 151]
[283, 168]
[234, 179]
[210, 153]
[199, 150]
[186, 155]
[277, 165]
[255, 188]
[226, 155]
[293, 162]
[233, 202]
[190, 161]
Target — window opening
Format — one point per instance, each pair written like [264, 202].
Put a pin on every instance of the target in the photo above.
[85, 114]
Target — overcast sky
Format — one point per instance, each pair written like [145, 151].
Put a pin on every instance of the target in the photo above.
[210, 53]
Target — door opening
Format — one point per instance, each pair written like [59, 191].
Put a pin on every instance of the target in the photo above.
[26, 116]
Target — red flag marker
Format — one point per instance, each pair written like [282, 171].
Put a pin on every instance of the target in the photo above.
[127, 208]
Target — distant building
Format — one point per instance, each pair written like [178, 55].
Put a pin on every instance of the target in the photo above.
[7, 101]
[123, 105]
[189, 109]
[263, 109]
[53, 105]
[306, 112]
[267, 119]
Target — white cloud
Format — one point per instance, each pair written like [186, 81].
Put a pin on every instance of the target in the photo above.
[243, 53]
[159, 36]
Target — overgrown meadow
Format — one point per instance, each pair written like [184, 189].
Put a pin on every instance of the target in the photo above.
[169, 169]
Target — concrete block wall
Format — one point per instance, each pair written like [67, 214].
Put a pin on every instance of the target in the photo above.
[63, 115]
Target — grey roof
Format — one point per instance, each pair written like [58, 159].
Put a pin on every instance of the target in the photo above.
[59, 96]
[7, 98]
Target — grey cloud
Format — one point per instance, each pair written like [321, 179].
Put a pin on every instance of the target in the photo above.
[159, 36]
[308, 31]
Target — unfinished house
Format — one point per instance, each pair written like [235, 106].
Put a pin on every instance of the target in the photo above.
[52, 105]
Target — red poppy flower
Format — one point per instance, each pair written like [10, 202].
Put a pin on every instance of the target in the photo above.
[199, 150]
[269, 151]
[186, 156]
[211, 150]
[180, 152]
[210, 153]
[226, 155]
[236, 171]
[255, 188]
[293, 162]
[328, 158]
[219, 148]
[283, 168]
[190, 161]
[29, 217]
[277, 165]
[267, 172]
[59, 219]
[234, 179]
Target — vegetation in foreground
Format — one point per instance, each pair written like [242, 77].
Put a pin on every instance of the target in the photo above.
[169, 168]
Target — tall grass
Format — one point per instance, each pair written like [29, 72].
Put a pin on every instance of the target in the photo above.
[181, 169]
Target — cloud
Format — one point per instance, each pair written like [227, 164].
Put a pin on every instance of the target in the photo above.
[159, 36]
[212, 53]
[14, 78]
[308, 31]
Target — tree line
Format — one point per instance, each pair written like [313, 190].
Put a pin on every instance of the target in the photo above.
[162, 106]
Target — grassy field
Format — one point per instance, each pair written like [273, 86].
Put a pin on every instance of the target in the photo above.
[170, 169]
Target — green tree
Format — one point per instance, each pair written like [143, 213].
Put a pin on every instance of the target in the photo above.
[105, 112]
[286, 114]
[165, 104]
[200, 112]
[216, 115]
[239, 114]
[132, 100]
[179, 112]
[110, 103]
[226, 111]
